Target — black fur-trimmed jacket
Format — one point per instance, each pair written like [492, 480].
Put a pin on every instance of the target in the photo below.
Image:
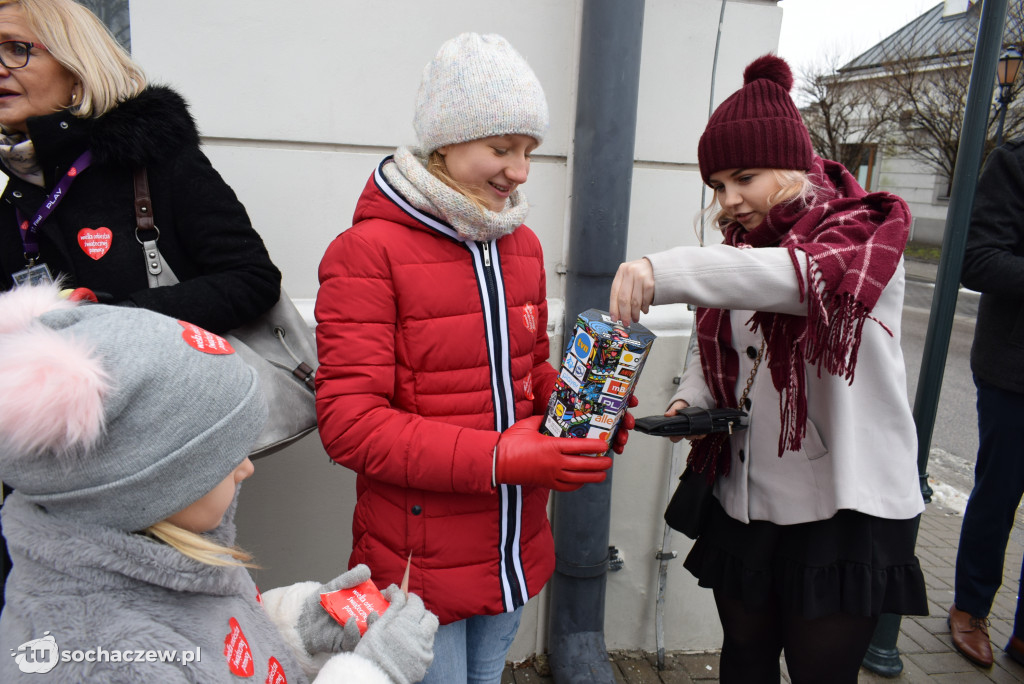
[227, 277]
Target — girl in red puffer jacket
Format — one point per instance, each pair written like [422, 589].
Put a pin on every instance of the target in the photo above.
[432, 336]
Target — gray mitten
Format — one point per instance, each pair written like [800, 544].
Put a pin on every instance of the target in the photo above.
[320, 632]
[401, 641]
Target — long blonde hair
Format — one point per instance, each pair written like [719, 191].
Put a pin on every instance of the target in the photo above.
[439, 169]
[80, 42]
[197, 547]
[793, 185]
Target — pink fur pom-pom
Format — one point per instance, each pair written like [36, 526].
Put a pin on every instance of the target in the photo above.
[770, 67]
[22, 305]
[53, 390]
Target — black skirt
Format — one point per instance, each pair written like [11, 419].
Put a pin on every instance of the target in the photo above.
[852, 563]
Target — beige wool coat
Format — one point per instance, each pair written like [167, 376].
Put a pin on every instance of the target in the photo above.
[860, 450]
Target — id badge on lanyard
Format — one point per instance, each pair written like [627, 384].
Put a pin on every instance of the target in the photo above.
[35, 271]
[33, 274]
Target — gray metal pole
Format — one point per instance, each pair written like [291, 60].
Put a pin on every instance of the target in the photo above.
[883, 656]
[609, 79]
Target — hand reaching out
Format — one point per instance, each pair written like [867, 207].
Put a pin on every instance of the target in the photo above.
[632, 291]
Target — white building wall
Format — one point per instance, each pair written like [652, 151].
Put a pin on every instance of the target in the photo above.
[298, 101]
[921, 187]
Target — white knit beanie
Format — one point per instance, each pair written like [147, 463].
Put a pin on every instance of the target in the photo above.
[475, 87]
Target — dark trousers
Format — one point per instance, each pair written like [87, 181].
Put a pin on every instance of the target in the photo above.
[998, 486]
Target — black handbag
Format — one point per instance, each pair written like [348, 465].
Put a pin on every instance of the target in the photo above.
[688, 509]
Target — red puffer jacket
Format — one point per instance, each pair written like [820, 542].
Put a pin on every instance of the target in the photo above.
[429, 347]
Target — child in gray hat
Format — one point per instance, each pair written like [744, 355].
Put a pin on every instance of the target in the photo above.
[125, 434]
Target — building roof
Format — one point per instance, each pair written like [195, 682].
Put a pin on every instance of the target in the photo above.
[930, 35]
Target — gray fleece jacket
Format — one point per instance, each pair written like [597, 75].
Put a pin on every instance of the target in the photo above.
[90, 603]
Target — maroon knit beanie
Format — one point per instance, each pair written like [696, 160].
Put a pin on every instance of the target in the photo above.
[758, 126]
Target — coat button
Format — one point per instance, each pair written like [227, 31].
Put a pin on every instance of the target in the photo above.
[17, 194]
[416, 510]
[743, 456]
[751, 352]
[64, 125]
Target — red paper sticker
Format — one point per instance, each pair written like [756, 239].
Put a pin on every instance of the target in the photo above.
[204, 340]
[259, 596]
[528, 387]
[357, 602]
[236, 650]
[530, 317]
[95, 243]
[275, 673]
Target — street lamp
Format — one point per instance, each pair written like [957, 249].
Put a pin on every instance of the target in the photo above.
[1006, 72]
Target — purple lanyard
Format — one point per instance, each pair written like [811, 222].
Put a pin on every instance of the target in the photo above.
[29, 228]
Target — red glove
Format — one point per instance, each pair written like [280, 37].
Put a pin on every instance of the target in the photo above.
[627, 423]
[524, 456]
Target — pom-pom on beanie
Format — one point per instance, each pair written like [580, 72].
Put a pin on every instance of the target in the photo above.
[478, 86]
[758, 126]
[117, 416]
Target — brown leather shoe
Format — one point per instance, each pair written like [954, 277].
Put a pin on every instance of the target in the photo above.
[970, 636]
[1015, 649]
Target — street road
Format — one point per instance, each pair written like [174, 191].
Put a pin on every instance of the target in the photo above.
[955, 435]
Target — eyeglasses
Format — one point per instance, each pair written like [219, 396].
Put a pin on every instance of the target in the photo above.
[14, 54]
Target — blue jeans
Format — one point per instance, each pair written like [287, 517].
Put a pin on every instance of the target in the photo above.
[473, 650]
[998, 486]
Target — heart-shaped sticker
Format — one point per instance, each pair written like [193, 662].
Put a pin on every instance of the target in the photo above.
[204, 340]
[95, 242]
[275, 673]
[530, 316]
[236, 650]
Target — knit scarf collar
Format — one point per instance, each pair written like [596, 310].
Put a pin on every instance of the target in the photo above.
[853, 241]
[424, 191]
[19, 155]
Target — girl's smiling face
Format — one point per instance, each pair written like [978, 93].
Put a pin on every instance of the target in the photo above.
[744, 194]
[492, 167]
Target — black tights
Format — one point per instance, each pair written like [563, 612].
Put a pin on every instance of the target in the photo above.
[827, 649]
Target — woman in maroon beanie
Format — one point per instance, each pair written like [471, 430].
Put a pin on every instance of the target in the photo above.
[810, 533]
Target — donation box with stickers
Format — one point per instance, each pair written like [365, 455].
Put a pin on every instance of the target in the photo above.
[599, 372]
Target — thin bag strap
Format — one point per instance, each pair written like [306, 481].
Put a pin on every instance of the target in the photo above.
[158, 270]
[143, 201]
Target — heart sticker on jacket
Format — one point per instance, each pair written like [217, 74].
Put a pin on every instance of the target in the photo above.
[236, 650]
[275, 673]
[96, 242]
[530, 316]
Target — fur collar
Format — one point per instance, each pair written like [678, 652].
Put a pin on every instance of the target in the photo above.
[140, 130]
[68, 552]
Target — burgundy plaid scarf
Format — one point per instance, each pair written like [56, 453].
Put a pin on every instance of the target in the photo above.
[853, 241]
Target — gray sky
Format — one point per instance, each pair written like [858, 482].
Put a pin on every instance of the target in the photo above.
[814, 29]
